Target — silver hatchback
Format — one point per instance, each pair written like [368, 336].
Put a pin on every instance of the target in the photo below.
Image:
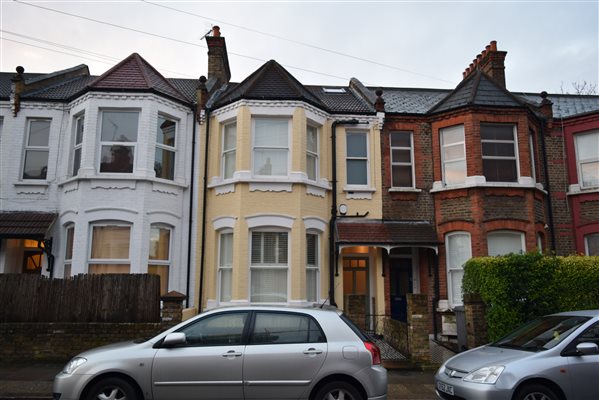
[235, 353]
[555, 357]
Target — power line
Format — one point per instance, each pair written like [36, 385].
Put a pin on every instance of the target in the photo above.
[324, 49]
[170, 38]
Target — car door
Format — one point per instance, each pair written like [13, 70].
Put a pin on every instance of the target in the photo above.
[583, 370]
[285, 351]
[208, 365]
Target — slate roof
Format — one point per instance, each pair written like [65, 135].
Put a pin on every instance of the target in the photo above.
[346, 102]
[25, 223]
[134, 73]
[269, 82]
[65, 89]
[411, 100]
[385, 232]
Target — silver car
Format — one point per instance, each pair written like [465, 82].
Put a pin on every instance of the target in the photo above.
[555, 357]
[235, 353]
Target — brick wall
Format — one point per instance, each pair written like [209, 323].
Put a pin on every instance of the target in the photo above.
[419, 320]
[476, 324]
[589, 212]
[58, 342]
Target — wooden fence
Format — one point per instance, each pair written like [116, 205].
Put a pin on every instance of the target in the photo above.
[83, 298]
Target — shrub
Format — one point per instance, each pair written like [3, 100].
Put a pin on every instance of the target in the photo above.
[519, 287]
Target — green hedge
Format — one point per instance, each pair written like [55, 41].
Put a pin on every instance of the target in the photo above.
[519, 287]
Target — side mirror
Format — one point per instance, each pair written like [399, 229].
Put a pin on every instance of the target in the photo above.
[174, 339]
[587, 348]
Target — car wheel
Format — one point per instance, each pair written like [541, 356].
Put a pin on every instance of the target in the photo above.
[536, 392]
[111, 389]
[338, 390]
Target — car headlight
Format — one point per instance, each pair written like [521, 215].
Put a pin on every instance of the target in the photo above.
[73, 365]
[485, 375]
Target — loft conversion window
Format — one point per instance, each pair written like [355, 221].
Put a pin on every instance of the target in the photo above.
[118, 139]
[164, 161]
[587, 159]
[357, 158]
[78, 144]
[402, 159]
[229, 150]
[312, 152]
[271, 147]
[331, 90]
[499, 154]
[35, 165]
[453, 155]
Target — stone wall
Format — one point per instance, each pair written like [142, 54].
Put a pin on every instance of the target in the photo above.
[396, 334]
[59, 342]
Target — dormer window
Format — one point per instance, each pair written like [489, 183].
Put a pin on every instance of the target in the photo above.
[271, 147]
[118, 140]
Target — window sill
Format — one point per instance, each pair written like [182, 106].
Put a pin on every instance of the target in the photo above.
[123, 178]
[404, 190]
[574, 190]
[269, 184]
[31, 188]
[40, 183]
[480, 181]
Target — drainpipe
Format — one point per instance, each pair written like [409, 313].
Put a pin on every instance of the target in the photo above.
[548, 188]
[333, 220]
[191, 205]
[204, 208]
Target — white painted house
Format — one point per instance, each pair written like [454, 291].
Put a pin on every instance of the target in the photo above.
[97, 173]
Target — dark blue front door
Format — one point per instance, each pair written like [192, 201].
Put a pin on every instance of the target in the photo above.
[401, 285]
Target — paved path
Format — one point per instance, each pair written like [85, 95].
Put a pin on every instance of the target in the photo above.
[34, 382]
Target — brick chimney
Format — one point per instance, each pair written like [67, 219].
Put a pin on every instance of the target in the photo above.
[491, 62]
[17, 87]
[218, 60]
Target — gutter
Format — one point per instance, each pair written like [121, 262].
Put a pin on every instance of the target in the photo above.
[204, 210]
[191, 207]
[333, 220]
[548, 188]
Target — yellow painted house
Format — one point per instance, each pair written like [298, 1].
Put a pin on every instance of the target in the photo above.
[285, 163]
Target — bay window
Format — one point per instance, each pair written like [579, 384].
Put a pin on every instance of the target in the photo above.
[164, 161]
[499, 152]
[118, 139]
[402, 159]
[587, 159]
[459, 250]
[225, 266]
[68, 253]
[271, 147]
[312, 153]
[500, 243]
[35, 164]
[229, 150]
[78, 144]
[453, 155]
[312, 267]
[109, 251]
[159, 260]
[269, 266]
[591, 244]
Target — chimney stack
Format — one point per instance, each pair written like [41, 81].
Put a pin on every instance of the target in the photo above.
[491, 62]
[218, 60]
[17, 87]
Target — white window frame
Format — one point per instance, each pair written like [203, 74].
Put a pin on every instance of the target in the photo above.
[116, 261]
[514, 141]
[270, 266]
[133, 145]
[31, 148]
[367, 159]
[520, 234]
[78, 126]
[455, 299]
[533, 162]
[586, 242]
[580, 162]
[69, 239]
[162, 262]
[228, 151]
[410, 164]
[166, 148]
[314, 268]
[463, 159]
[285, 148]
[313, 155]
[222, 267]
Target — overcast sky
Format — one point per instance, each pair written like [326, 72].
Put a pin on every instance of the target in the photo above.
[427, 44]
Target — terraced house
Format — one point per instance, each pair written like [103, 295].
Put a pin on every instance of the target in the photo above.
[273, 191]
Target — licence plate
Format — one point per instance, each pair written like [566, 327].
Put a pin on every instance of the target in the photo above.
[444, 387]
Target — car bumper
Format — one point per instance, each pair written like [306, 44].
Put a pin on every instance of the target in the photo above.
[456, 389]
[69, 386]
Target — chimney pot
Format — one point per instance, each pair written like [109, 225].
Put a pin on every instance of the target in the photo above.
[203, 79]
[20, 70]
[471, 66]
[488, 48]
[216, 31]
[494, 45]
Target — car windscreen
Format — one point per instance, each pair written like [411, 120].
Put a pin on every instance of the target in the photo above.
[541, 334]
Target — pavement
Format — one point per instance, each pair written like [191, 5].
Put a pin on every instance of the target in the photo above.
[34, 382]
